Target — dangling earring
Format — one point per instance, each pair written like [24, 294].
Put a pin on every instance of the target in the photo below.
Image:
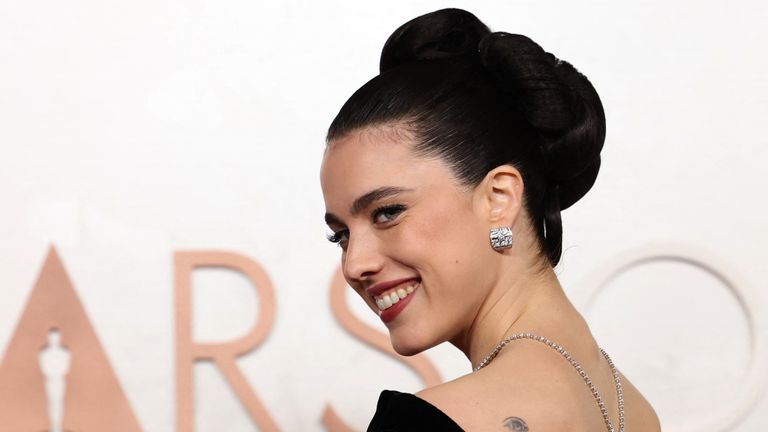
[501, 238]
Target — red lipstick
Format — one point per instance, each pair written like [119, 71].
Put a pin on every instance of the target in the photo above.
[393, 311]
[380, 287]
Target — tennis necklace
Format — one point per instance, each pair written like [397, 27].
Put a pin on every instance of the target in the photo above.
[600, 402]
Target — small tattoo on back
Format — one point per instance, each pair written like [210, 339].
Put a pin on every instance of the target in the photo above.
[516, 424]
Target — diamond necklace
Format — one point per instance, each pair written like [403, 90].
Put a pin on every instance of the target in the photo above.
[600, 402]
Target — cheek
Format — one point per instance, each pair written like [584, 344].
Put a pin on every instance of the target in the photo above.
[452, 238]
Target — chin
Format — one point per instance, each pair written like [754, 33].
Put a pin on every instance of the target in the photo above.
[408, 346]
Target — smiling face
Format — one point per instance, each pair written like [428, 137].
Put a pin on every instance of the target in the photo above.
[410, 234]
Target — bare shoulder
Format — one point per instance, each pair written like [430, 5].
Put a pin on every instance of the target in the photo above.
[526, 390]
[640, 414]
[517, 394]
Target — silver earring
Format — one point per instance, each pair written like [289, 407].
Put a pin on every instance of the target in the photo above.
[501, 238]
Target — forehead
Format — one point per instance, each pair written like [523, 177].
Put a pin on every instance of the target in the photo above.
[371, 147]
[371, 158]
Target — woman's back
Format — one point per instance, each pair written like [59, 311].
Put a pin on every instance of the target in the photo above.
[532, 384]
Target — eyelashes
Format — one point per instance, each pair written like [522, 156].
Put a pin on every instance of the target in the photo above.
[388, 213]
[337, 236]
[381, 217]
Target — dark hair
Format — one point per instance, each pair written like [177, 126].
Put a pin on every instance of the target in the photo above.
[479, 100]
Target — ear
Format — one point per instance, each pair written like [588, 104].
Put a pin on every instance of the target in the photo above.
[501, 193]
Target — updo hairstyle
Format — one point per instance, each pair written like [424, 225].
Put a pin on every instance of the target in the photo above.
[478, 100]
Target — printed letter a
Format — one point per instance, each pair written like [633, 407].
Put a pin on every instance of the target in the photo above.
[93, 399]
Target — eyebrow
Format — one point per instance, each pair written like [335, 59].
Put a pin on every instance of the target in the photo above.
[367, 199]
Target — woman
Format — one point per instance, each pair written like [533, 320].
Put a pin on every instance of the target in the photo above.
[444, 178]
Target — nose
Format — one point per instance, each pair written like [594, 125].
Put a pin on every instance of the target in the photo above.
[363, 258]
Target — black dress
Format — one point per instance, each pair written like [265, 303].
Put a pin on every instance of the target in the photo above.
[404, 412]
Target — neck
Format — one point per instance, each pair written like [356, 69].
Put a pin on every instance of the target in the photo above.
[516, 303]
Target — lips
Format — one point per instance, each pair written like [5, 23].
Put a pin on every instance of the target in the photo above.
[391, 297]
[381, 287]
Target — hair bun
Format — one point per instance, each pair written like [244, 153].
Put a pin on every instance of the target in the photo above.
[440, 34]
[559, 102]
[477, 100]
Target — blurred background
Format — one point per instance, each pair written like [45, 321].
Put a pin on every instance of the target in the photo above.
[132, 131]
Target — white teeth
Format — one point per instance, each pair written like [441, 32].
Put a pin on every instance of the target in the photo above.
[387, 300]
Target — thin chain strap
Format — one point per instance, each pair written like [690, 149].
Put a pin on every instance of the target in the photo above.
[579, 369]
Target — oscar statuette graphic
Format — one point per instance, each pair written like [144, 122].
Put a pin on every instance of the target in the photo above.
[55, 375]
[54, 362]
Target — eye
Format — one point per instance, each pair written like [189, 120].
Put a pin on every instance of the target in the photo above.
[386, 214]
[340, 237]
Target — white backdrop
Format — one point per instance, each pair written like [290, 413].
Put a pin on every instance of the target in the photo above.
[132, 130]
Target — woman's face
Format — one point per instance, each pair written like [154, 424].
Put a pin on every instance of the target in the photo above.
[414, 241]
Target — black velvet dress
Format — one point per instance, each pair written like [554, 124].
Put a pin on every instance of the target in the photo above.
[404, 412]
